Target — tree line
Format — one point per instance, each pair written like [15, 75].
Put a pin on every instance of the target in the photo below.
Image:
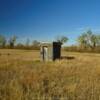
[11, 43]
[87, 41]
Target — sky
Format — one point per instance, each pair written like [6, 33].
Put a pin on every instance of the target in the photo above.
[44, 20]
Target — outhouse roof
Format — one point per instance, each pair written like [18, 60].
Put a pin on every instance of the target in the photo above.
[46, 44]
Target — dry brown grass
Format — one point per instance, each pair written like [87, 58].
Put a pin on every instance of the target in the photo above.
[24, 77]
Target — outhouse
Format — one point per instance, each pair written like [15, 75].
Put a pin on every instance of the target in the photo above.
[50, 51]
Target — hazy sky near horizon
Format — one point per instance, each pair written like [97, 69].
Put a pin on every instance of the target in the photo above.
[43, 20]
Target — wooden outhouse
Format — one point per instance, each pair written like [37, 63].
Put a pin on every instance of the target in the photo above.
[50, 51]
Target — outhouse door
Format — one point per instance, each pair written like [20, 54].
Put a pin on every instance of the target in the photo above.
[45, 53]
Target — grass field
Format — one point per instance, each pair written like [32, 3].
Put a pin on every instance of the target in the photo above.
[23, 77]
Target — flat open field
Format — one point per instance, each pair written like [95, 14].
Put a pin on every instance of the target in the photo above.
[23, 77]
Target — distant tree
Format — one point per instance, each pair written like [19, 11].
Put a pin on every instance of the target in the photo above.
[94, 41]
[61, 39]
[2, 41]
[27, 42]
[82, 40]
[12, 41]
[88, 39]
[20, 46]
[35, 43]
[98, 40]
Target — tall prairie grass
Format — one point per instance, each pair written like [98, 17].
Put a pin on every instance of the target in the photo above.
[23, 77]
